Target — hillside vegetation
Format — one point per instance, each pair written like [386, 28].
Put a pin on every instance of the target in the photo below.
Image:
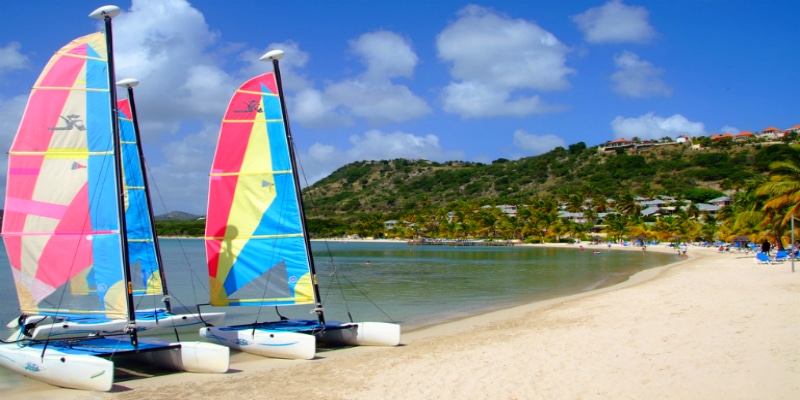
[392, 188]
[450, 199]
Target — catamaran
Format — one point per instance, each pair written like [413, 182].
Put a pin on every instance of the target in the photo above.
[65, 230]
[149, 279]
[257, 245]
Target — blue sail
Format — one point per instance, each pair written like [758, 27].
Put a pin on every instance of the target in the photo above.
[141, 242]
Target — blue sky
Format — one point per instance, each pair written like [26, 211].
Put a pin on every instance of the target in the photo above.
[441, 80]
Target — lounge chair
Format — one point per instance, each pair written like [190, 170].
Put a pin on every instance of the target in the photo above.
[762, 258]
[781, 256]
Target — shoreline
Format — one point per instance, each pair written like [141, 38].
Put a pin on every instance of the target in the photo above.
[712, 326]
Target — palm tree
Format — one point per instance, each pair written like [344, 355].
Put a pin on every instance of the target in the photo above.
[783, 189]
[627, 206]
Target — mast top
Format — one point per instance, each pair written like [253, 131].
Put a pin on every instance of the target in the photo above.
[128, 82]
[102, 12]
[272, 55]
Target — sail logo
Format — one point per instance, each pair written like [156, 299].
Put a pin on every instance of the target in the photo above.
[72, 121]
[252, 105]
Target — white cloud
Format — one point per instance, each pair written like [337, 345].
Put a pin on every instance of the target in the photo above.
[650, 126]
[372, 95]
[181, 181]
[536, 144]
[311, 108]
[290, 65]
[320, 159]
[496, 62]
[377, 102]
[615, 22]
[11, 58]
[637, 78]
[167, 46]
[729, 129]
[385, 54]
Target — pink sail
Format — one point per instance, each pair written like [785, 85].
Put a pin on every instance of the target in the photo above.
[59, 218]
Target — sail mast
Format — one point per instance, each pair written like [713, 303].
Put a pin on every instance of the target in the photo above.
[129, 84]
[275, 56]
[106, 13]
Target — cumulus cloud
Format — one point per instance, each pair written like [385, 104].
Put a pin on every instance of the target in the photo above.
[373, 95]
[536, 144]
[291, 65]
[651, 126]
[729, 129]
[11, 58]
[318, 162]
[637, 78]
[168, 47]
[182, 178]
[385, 54]
[615, 22]
[496, 62]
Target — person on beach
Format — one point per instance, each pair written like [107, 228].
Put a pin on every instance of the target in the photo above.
[765, 247]
[644, 248]
[683, 249]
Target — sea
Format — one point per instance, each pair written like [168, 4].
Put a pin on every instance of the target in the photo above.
[413, 285]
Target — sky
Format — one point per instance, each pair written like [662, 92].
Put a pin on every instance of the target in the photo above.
[442, 80]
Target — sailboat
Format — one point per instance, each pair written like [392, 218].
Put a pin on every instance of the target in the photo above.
[64, 229]
[257, 244]
[143, 249]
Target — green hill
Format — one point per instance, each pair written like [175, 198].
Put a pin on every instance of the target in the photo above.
[392, 188]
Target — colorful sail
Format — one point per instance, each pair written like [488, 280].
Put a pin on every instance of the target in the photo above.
[141, 242]
[61, 216]
[255, 243]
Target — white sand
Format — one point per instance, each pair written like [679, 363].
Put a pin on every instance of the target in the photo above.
[715, 326]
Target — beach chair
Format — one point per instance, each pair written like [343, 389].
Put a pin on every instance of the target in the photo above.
[781, 256]
[762, 258]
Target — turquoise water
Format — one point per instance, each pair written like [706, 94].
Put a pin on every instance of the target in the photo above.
[411, 285]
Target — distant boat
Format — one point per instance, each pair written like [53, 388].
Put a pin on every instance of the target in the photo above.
[257, 244]
[65, 231]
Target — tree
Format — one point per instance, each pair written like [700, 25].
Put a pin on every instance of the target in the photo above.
[783, 189]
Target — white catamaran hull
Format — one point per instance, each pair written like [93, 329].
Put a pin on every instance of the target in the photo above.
[190, 357]
[146, 324]
[74, 371]
[361, 334]
[263, 342]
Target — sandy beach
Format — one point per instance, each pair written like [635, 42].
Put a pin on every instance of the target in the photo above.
[713, 326]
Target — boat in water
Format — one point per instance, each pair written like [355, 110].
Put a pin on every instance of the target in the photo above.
[257, 244]
[65, 231]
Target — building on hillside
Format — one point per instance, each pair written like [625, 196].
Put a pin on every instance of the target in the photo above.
[743, 136]
[721, 201]
[771, 133]
[621, 143]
